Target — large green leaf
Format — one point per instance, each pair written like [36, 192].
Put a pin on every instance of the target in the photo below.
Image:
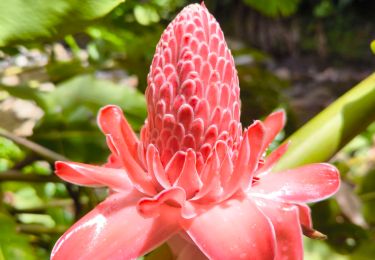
[91, 93]
[24, 20]
[69, 126]
[334, 127]
[274, 7]
[83, 94]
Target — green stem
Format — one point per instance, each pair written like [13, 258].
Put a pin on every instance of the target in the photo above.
[329, 131]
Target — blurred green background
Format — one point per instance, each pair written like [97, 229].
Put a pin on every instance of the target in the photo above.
[61, 60]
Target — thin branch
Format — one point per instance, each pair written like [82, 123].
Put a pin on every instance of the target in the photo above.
[38, 149]
[74, 193]
[26, 161]
[13, 175]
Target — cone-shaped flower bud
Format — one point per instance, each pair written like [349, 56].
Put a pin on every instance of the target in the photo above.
[193, 93]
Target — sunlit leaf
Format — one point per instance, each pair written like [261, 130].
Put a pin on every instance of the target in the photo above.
[373, 46]
[328, 132]
[91, 93]
[9, 150]
[317, 250]
[146, 14]
[69, 125]
[40, 18]
[42, 219]
[26, 198]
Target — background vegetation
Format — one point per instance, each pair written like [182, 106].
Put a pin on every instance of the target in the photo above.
[61, 60]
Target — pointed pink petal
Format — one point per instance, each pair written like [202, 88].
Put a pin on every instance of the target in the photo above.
[115, 230]
[174, 197]
[150, 207]
[247, 161]
[305, 184]
[274, 123]
[305, 215]
[189, 179]
[174, 167]
[210, 175]
[226, 167]
[272, 159]
[111, 120]
[155, 167]
[240, 167]
[113, 162]
[288, 231]
[124, 144]
[233, 229]
[256, 137]
[94, 176]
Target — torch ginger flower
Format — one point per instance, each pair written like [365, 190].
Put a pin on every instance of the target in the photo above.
[195, 179]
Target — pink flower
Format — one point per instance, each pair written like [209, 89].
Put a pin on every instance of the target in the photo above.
[195, 179]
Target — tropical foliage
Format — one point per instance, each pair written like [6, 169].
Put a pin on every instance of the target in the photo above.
[60, 61]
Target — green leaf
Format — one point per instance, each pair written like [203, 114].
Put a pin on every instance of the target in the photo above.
[324, 9]
[367, 194]
[146, 14]
[26, 198]
[373, 46]
[69, 125]
[85, 93]
[366, 251]
[63, 70]
[335, 126]
[9, 150]
[42, 219]
[274, 7]
[13, 245]
[317, 250]
[25, 20]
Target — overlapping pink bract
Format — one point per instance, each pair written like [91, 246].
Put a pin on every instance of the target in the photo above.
[195, 179]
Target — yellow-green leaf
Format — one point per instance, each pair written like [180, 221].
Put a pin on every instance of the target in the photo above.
[329, 131]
